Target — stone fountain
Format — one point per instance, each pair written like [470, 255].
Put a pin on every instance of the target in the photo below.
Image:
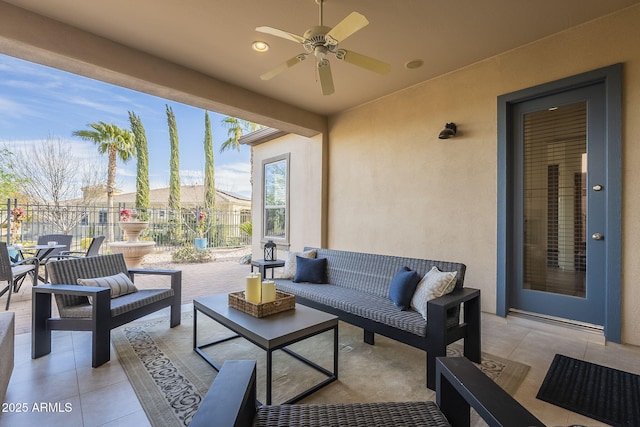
[133, 249]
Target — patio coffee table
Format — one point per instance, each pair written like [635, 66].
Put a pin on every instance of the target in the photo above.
[270, 333]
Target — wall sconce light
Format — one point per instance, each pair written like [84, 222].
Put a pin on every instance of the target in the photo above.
[448, 131]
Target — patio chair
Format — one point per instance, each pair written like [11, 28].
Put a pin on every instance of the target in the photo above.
[62, 239]
[15, 273]
[105, 301]
[92, 250]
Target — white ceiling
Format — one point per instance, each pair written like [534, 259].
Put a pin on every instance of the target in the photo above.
[215, 36]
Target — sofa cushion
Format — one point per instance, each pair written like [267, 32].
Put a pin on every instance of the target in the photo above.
[434, 284]
[363, 304]
[120, 284]
[402, 287]
[290, 262]
[312, 270]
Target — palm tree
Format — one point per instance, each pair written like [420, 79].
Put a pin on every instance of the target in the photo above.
[117, 143]
[235, 129]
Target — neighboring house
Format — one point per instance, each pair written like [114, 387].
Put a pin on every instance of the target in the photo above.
[191, 196]
[231, 208]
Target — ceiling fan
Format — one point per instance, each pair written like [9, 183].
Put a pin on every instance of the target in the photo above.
[320, 41]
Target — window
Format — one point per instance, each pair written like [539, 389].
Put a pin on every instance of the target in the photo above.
[102, 217]
[276, 198]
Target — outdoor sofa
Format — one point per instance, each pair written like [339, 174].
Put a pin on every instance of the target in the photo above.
[231, 401]
[7, 346]
[355, 287]
[107, 299]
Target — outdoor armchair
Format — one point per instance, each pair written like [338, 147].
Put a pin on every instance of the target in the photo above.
[460, 387]
[15, 273]
[104, 302]
[92, 250]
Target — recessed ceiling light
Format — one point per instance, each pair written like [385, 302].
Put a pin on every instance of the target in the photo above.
[413, 64]
[260, 46]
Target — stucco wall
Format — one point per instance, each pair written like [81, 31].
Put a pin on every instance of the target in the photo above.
[305, 187]
[395, 188]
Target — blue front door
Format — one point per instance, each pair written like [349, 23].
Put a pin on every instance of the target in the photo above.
[559, 210]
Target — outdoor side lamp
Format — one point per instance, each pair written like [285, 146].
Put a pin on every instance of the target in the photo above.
[270, 251]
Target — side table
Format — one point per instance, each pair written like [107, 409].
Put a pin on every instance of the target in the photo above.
[264, 265]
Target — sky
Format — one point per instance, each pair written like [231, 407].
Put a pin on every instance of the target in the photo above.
[39, 103]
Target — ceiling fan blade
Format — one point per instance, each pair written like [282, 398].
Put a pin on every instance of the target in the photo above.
[363, 61]
[349, 25]
[284, 66]
[281, 33]
[326, 79]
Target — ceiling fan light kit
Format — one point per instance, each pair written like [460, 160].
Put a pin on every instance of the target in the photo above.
[322, 41]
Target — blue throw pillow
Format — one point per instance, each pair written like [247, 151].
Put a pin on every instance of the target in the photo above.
[311, 270]
[402, 287]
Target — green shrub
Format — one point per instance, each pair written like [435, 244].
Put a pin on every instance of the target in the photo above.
[85, 242]
[190, 254]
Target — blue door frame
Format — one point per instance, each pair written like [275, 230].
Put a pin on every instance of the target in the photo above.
[611, 77]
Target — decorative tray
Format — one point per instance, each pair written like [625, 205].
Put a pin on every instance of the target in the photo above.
[283, 302]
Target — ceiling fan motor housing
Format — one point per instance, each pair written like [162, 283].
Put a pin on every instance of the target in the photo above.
[316, 41]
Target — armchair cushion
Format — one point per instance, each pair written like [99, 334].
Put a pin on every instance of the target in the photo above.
[120, 284]
[119, 305]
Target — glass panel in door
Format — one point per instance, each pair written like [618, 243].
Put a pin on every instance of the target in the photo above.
[555, 215]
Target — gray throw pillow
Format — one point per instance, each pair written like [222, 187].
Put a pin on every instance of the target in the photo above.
[120, 284]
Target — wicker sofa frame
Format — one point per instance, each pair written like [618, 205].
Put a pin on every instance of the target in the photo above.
[104, 313]
[357, 292]
[231, 401]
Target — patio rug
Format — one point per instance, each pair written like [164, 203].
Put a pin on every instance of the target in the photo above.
[598, 392]
[170, 379]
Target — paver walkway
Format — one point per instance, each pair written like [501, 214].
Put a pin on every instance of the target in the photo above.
[225, 274]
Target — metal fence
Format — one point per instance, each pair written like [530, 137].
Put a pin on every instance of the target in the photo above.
[168, 228]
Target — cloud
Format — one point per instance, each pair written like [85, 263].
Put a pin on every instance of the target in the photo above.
[100, 106]
[12, 109]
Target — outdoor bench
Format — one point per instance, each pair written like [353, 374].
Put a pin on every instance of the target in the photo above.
[357, 289]
[231, 401]
[94, 306]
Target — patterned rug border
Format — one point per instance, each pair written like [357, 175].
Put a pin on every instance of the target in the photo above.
[170, 379]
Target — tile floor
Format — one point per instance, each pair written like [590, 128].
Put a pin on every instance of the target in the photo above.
[74, 394]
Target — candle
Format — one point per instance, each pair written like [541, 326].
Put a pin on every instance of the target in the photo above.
[268, 291]
[253, 291]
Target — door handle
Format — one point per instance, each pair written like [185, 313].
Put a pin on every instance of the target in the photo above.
[597, 236]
